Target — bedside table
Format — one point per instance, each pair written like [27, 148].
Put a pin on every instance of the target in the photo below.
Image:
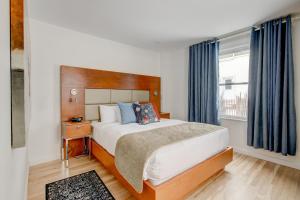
[164, 115]
[75, 130]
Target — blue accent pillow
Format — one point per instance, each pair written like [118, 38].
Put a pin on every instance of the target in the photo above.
[127, 113]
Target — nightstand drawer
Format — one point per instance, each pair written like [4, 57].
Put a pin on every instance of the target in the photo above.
[164, 115]
[77, 130]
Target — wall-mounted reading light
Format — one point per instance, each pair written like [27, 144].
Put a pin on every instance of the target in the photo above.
[73, 93]
[155, 93]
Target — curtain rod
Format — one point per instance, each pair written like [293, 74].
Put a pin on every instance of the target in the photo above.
[293, 18]
[243, 31]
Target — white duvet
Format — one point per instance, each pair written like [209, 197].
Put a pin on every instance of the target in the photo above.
[167, 161]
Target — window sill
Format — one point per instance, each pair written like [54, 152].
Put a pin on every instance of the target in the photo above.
[233, 118]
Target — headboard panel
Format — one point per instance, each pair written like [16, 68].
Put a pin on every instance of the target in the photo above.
[96, 97]
[114, 83]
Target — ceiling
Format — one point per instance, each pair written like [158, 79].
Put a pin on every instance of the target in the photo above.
[158, 24]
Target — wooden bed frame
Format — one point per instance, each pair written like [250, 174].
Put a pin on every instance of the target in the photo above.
[176, 188]
[84, 78]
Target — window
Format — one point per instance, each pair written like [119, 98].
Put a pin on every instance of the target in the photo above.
[233, 85]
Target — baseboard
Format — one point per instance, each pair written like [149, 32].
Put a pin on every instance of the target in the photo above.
[43, 159]
[251, 153]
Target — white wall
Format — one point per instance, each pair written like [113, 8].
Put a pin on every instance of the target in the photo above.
[52, 46]
[13, 162]
[5, 148]
[174, 80]
[174, 73]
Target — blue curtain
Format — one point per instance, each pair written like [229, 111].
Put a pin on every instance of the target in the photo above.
[203, 82]
[271, 106]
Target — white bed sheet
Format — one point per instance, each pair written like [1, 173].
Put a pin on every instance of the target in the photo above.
[169, 160]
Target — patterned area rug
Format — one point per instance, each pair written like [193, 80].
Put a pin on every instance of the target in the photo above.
[83, 186]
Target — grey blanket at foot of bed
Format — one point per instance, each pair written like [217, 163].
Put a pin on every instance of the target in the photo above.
[133, 150]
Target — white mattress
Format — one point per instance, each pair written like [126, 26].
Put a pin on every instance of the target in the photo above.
[169, 160]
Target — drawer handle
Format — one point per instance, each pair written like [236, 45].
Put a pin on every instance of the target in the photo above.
[78, 127]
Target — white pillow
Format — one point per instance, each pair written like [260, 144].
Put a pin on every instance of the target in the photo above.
[118, 113]
[110, 113]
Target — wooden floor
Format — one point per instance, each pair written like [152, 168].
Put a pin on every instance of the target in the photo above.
[245, 178]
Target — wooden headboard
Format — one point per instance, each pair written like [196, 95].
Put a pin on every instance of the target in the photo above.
[84, 78]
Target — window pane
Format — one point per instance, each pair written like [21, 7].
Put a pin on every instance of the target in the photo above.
[233, 101]
[234, 69]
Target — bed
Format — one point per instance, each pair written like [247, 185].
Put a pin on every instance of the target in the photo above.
[170, 160]
[171, 172]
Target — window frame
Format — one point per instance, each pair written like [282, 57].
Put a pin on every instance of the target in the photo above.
[231, 117]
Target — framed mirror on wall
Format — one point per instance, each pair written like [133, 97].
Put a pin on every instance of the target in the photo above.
[17, 66]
